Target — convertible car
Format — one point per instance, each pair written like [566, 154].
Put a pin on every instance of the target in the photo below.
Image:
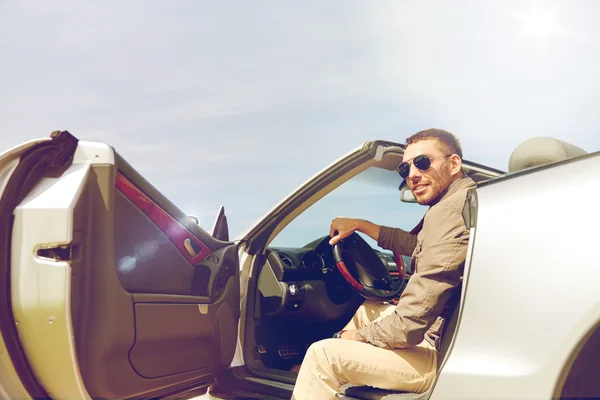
[109, 290]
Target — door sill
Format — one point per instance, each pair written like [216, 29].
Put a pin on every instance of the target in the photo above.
[238, 383]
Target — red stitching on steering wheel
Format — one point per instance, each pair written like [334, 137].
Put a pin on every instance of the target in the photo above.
[348, 276]
[401, 267]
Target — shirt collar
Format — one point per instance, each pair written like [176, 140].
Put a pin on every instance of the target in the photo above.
[460, 183]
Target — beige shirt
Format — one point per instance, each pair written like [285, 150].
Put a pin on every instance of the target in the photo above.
[438, 245]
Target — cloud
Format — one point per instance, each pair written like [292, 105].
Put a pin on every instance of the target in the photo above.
[238, 105]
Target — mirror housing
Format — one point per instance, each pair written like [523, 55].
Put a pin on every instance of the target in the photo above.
[220, 230]
[406, 195]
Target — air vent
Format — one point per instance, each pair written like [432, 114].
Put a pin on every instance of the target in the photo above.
[285, 259]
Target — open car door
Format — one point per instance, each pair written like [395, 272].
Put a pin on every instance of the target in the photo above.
[110, 290]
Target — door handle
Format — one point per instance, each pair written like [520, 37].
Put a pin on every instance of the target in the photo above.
[192, 248]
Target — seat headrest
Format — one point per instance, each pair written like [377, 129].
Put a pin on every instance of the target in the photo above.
[540, 151]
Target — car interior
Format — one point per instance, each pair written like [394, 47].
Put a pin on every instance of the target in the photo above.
[301, 297]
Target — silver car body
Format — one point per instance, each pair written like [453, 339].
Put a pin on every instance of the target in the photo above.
[531, 296]
[529, 302]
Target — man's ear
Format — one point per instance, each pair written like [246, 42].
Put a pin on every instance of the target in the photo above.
[455, 165]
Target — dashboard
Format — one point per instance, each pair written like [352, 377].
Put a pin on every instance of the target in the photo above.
[304, 281]
[315, 260]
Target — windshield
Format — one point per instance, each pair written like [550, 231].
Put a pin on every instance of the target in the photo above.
[373, 195]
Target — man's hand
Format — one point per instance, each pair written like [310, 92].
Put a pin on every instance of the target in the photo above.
[350, 335]
[342, 227]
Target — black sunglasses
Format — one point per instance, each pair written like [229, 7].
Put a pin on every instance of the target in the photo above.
[422, 162]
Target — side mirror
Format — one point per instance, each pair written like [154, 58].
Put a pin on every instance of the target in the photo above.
[220, 228]
[406, 195]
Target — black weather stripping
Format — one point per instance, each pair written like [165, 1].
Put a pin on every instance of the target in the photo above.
[46, 159]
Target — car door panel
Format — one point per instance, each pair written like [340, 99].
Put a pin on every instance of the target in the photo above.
[149, 315]
[146, 262]
[169, 339]
[190, 246]
[172, 339]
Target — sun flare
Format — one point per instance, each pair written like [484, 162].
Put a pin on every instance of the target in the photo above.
[539, 23]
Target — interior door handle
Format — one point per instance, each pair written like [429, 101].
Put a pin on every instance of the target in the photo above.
[192, 248]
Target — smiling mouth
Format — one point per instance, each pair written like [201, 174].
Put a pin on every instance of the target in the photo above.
[419, 189]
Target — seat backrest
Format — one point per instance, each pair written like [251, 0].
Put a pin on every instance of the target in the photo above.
[541, 151]
[449, 328]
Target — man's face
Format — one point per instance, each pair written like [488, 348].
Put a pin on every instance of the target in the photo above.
[428, 185]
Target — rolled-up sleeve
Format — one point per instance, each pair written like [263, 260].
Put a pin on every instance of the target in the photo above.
[440, 265]
[397, 240]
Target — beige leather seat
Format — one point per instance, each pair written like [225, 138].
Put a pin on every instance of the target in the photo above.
[541, 151]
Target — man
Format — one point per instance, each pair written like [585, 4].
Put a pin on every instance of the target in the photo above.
[395, 347]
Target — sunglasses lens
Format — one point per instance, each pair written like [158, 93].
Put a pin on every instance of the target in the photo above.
[423, 162]
[404, 170]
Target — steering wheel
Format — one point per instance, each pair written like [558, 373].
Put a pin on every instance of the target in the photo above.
[364, 271]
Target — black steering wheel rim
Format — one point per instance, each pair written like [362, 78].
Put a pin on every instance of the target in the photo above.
[373, 280]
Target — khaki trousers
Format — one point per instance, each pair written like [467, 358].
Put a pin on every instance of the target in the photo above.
[331, 363]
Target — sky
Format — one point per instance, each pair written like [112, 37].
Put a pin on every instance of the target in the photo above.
[238, 103]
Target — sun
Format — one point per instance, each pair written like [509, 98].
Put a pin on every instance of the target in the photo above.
[539, 23]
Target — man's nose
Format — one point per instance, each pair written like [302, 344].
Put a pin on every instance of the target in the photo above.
[414, 172]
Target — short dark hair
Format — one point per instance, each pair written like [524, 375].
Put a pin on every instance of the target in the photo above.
[450, 144]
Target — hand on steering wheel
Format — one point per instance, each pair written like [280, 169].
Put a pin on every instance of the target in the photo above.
[341, 228]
